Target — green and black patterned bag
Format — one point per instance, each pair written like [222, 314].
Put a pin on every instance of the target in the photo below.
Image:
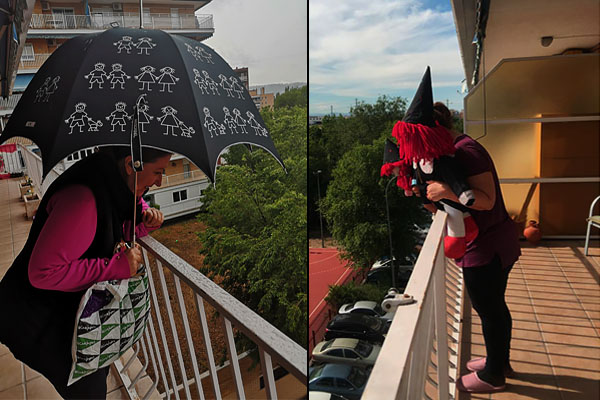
[111, 317]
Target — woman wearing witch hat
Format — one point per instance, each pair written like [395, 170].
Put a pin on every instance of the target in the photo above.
[490, 241]
[71, 246]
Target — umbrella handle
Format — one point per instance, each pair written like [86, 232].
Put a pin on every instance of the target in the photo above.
[134, 204]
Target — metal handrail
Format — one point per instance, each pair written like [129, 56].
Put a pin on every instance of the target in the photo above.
[271, 342]
[401, 370]
[31, 62]
[125, 20]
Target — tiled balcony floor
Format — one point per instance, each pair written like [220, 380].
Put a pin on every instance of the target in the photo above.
[17, 381]
[554, 297]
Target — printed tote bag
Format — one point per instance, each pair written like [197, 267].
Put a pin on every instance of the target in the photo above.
[111, 317]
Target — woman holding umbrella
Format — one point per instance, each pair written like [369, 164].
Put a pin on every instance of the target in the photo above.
[84, 214]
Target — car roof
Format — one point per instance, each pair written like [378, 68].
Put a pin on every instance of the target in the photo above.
[344, 342]
[336, 370]
[365, 304]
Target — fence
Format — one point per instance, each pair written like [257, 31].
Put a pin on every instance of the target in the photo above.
[124, 20]
[172, 336]
[415, 363]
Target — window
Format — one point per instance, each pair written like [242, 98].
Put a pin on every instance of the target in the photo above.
[325, 382]
[336, 353]
[186, 170]
[342, 383]
[28, 54]
[350, 353]
[179, 196]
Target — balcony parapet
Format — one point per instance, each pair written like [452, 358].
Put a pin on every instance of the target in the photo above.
[416, 360]
[273, 345]
[102, 21]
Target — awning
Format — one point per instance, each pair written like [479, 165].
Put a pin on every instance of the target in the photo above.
[537, 87]
[21, 82]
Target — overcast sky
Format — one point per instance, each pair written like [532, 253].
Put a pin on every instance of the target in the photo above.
[362, 49]
[267, 36]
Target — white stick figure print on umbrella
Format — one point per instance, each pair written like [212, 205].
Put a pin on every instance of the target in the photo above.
[212, 85]
[78, 118]
[97, 75]
[93, 87]
[118, 116]
[124, 44]
[40, 93]
[117, 75]
[166, 79]
[144, 44]
[228, 119]
[198, 80]
[146, 77]
[226, 85]
[237, 88]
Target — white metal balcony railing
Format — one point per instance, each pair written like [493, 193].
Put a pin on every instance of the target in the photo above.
[162, 349]
[177, 179]
[32, 62]
[124, 20]
[413, 361]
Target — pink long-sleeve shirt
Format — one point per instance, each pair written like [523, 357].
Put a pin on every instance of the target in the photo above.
[55, 262]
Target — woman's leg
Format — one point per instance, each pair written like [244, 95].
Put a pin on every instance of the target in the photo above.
[486, 286]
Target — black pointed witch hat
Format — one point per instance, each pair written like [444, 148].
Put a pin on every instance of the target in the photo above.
[390, 152]
[420, 110]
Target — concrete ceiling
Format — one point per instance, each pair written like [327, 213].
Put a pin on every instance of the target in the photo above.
[515, 28]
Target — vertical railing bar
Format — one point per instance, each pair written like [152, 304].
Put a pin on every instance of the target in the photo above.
[188, 336]
[160, 324]
[153, 358]
[439, 292]
[233, 360]
[209, 353]
[163, 284]
[141, 371]
[267, 372]
[429, 341]
[154, 342]
[131, 359]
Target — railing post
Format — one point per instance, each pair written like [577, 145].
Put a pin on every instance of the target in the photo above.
[439, 290]
[267, 372]
[233, 360]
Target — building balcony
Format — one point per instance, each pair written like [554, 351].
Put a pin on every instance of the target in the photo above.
[192, 346]
[59, 25]
[555, 304]
[32, 62]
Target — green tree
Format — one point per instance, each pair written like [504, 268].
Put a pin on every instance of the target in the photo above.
[337, 135]
[292, 97]
[356, 213]
[256, 225]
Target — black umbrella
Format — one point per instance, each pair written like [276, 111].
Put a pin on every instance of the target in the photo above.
[84, 96]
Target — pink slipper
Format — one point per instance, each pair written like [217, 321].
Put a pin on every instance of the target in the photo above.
[472, 384]
[478, 364]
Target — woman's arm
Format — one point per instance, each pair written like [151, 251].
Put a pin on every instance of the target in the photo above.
[67, 234]
[482, 186]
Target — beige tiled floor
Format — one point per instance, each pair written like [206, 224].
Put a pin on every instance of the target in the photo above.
[17, 381]
[554, 297]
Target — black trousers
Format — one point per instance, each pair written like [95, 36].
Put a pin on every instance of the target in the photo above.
[486, 286]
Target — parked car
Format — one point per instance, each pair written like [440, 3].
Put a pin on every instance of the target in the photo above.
[345, 380]
[358, 326]
[366, 308]
[346, 351]
[382, 277]
[317, 395]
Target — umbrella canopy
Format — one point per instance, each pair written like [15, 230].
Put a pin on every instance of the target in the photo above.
[84, 96]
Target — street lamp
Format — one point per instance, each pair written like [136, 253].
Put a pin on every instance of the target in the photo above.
[387, 209]
[317, 173]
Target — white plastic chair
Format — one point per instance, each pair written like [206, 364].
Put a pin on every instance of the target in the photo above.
[592, 220]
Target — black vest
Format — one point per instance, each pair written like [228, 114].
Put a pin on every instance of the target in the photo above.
[37, 325]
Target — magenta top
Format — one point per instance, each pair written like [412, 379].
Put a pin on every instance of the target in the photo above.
[497, 231]
[55, 262]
